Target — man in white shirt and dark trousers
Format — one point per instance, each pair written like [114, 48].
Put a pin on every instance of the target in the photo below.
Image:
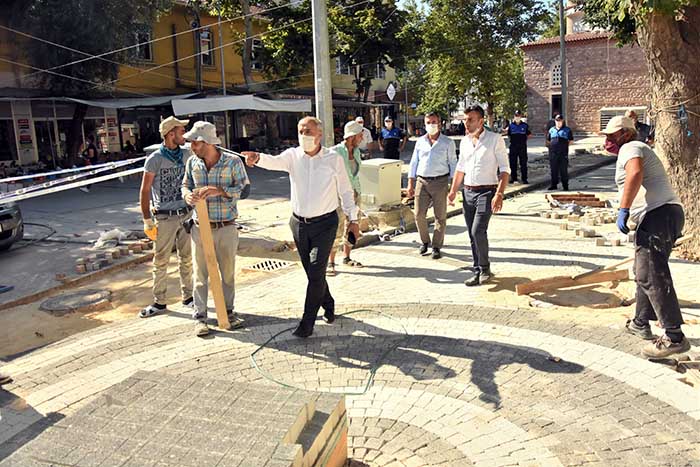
[646, 196]
[482, 154]
[433, 164]
[318, 178]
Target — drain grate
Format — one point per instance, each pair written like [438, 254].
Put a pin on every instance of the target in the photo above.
[270, 265]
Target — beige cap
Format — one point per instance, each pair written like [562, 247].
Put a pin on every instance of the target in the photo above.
[203, 131]
[170, 123]
[351, 129]
[618, 123]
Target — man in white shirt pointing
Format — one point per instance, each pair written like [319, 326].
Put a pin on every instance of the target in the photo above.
[318, 179]
[482, 155]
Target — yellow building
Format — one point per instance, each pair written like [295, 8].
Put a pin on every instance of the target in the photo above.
[169, 62]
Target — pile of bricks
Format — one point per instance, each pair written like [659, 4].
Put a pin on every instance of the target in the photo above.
[103, 259]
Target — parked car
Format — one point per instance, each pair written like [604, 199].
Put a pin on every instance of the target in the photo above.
[11, 225]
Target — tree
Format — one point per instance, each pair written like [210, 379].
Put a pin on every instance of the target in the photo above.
[363, 37]
[669, 34]
[235, 8]
[472, 45]
[91, 27]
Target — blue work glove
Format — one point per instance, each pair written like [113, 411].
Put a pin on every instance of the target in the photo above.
[623, 216]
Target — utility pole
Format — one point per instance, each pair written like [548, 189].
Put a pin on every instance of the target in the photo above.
[198, 47]
[405, 114]
[223, 75]
[322, 70]
[562, 58]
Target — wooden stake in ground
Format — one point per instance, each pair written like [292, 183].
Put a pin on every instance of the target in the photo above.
[212, 265]
[560, 282]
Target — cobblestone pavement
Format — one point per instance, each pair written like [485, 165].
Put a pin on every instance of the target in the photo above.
[434, 373]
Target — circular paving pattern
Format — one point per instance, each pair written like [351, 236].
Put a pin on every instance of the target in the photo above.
[426, 384]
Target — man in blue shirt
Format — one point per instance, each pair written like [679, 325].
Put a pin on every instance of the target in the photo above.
[392, 140]
[558, 139]
[433, 163]
[518, 132]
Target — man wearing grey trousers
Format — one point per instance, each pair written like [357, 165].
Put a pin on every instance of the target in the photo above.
[482, 155]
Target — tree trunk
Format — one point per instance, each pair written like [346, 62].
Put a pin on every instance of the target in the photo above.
[248, 46]
[672, 50]
[489, 114]
[273, 131]
[74, 138]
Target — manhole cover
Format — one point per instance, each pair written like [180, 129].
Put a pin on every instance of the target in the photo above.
[270, 265]
[85, 300]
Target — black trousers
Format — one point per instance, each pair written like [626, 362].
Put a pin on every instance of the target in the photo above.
[515, 155]
[656, 297]
[559, 168]
[477, 214]
[314, 242]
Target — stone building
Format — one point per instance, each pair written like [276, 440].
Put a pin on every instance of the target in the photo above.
[604, 80]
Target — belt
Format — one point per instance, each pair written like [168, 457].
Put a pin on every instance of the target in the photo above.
[220, 224]
[480, 187]
[310, 220]
[433, 178]
[177, 212]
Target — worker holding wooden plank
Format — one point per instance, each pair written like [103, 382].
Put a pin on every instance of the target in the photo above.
[647, 198]
[221, 180]
[318, 178]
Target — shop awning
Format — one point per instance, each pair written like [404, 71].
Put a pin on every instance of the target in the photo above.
[130, 102]
[245, 102]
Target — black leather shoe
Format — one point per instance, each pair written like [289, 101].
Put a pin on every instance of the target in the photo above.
[436, 253]
[552, 188]
[423, 249]
[329, 317]
[302, 332]
[473, 281]
[485, 276]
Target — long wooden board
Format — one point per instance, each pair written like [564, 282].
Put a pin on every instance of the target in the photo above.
[560, 282]
[215, 286]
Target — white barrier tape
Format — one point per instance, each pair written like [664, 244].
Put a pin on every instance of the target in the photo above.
[59, 181]
[77, 169]
[70, 186]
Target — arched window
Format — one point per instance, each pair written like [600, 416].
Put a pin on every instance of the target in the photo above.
[555, 75]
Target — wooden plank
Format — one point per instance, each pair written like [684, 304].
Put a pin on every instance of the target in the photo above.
[560, 282]
[616, 265]
[215, 286]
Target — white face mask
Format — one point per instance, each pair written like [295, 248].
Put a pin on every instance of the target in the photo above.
[307, 143]
[518, 120]
[432, 129]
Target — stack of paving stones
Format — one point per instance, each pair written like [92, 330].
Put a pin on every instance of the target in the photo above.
[156, 420]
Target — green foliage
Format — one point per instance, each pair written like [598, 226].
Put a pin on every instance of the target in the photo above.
[363, 35]
[621, 16]
[473, 51]
[91, 27]
[550, 25]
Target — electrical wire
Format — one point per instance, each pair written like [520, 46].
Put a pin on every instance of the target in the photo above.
[152, 41]
[27, 243]
[372, 371]
[227, 45]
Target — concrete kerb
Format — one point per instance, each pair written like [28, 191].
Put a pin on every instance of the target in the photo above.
[85, 278]
[367, 240]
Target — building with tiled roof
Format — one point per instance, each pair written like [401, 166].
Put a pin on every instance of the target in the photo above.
[603, 79]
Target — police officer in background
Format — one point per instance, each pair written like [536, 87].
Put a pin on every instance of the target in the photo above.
[557, 140]
[392, 139]
[518, 132]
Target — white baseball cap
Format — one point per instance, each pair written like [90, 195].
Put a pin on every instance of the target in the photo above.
[203, 131]
[169, 123]
[360, 119]
[351, 129]
[618, 123]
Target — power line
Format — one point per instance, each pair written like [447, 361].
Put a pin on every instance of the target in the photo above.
[64, 76]
[227, 45]
[123, 49]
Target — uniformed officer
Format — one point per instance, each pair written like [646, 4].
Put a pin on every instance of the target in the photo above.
[392, 140]
[558, 139]
[518, 132]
